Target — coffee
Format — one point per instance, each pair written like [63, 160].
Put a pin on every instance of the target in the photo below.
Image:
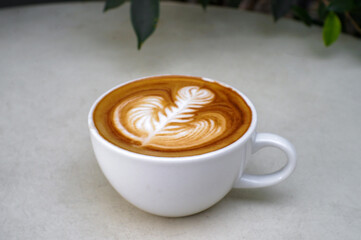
[172, 116]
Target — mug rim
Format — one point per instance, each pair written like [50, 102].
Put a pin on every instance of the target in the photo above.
[93, 130]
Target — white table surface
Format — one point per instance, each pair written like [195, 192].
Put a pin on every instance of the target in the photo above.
[57, 59]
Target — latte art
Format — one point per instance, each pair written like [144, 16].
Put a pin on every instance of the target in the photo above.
[152, 121]
[172, 116]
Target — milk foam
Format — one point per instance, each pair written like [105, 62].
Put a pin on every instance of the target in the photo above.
[172, 116]
[157, 122]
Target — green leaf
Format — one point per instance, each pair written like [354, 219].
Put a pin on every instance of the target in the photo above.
[204, 3]
[281, 8]
[144, 15]
[340, 6]
[109, 4]
[302, 14]
[331, 28]
[322, 11]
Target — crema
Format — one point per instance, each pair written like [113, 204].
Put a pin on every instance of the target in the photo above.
[172, 116]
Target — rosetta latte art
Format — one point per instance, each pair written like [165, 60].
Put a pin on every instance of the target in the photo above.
[172, 116]
[154, 121]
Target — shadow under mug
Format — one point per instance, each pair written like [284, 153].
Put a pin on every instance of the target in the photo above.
[181, 186]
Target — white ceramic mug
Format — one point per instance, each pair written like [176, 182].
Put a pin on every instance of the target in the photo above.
[181, 186]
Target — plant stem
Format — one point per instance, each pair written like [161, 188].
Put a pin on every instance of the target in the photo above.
[353, 22]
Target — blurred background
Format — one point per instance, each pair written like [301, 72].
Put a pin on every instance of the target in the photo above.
[309, 11]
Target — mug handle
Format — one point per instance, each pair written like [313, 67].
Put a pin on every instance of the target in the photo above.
[269, 140]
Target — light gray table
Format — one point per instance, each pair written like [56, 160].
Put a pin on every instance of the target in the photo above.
[57, 59]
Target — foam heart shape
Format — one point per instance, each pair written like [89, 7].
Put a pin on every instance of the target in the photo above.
[154, 122]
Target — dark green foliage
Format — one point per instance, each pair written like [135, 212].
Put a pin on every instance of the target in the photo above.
[340, 6]
[234, 3]
[322, 11]
[281, 8]
[144, 14]
[302, 14]
[204, 3]
[109, 4]
[332, 15]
